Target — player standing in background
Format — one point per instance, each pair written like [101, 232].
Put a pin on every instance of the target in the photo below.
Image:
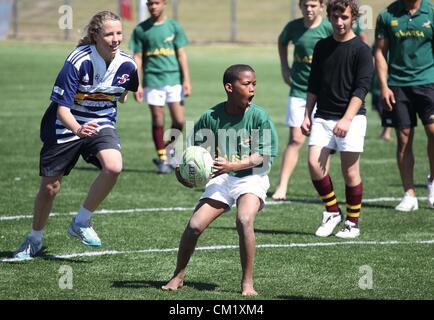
[303, 33]
[340, 78]
[404, 60]
[159, 44]
[81, 120]
[244, 141]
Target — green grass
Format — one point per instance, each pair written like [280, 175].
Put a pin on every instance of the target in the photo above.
[401, 270]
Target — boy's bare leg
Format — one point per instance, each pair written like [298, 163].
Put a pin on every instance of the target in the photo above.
[248, 206]
[206, 212]
[289, 161]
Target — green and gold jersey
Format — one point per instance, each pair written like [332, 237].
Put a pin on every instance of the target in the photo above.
[158, 44]
[304, 40]
[237, 137]
[410, 37]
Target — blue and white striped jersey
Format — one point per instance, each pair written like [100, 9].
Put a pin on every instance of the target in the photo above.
[91, 89]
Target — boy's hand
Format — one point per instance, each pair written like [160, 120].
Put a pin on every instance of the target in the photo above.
[181, 179]
[221, 166]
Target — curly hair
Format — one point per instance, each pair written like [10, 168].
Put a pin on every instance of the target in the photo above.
[95, 26]
[342, 5]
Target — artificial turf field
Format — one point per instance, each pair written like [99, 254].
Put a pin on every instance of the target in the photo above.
[141, 221]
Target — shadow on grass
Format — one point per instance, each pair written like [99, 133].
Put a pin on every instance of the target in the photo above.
[263, 231]
[298, 298]
[42, 255]
[123, 170]
[140, 284]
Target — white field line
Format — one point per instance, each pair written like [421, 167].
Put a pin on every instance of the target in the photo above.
[141, 210]
[224, 247]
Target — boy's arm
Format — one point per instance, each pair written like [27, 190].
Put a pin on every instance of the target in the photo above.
[138, 95]
[284, 66]
[221, 165]
[310, 103]
[381, 67]
[183, 64]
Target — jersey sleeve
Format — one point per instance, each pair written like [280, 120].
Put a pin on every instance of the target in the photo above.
[365, 70]
[285, 35]
[135, 45]
[268, 139]
[380, 28]
[181, 39]
[65, 87]
[314, 82]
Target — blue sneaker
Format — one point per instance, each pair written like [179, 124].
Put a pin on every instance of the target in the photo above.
[28, 249]
[86, 234]
[163, 166]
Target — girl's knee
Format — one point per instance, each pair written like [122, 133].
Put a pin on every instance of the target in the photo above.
[50, 189]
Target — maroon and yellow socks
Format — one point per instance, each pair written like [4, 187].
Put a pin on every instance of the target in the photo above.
[324, 187]
[354, 202]
[160, 146]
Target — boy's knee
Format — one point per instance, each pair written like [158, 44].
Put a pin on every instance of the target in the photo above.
[244, 220]
[194, 228]
[113, 169]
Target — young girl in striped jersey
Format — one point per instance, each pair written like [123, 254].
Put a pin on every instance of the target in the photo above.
[81, 120]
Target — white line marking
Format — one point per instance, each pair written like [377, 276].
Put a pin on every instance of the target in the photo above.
[141, 210]
[223, 247]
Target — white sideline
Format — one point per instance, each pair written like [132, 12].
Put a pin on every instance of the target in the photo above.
[140, 210]
[223, 247]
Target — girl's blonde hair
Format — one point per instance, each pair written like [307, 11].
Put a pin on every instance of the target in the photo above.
[95, 26]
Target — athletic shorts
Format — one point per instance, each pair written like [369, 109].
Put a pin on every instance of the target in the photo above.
[410, 102]
[162, 95]
[228, 189]
[321, 134]
[295, 112]
[59, 159]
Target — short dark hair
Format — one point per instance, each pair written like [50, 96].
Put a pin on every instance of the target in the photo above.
[320, 1]
[231, 73]
[342, 5]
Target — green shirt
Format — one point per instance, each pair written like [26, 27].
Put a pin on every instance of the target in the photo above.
[236, 137]
[158, 44]
[304, 40]
[411, 55]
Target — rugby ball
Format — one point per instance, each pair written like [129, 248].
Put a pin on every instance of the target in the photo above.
[196, 166]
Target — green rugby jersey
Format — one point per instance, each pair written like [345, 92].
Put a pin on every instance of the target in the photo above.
[158, 44]
[411, 55]
[304, 40]
[236, 137]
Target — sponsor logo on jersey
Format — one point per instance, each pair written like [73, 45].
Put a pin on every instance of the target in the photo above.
[427, 24]
[85, 78]
[394, 23]
[58, 90]
[124, 78]
[169, 39]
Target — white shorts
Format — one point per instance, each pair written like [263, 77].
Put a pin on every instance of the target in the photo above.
[295, 112]
[162, 95]
[228, 189]
[321, 134]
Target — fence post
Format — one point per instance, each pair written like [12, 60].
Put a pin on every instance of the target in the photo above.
[175, 9]
[233, 20]
[15, 18]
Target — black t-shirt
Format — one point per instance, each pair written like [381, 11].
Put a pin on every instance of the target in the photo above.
[340, 70]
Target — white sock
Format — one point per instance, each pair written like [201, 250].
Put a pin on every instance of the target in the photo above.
[37, 235]
[83, 216]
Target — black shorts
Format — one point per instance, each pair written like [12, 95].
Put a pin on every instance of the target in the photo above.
[59, 159]
[410, 101]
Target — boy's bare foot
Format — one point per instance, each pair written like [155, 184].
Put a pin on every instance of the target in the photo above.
[279, 194]
[248, 290]
[173, 284]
